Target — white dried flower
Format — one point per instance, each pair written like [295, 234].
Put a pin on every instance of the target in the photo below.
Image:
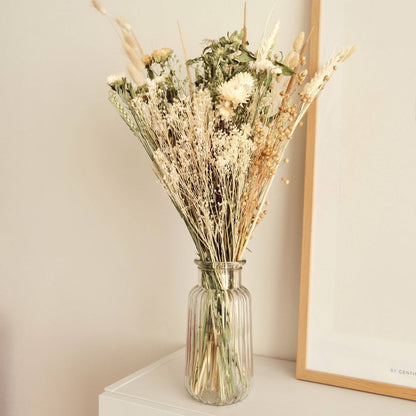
[238, 89]
[263, 65]
[225, 110]
[266, 65]
[116, 79]
[277, 70]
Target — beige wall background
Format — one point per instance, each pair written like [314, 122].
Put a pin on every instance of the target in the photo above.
[95, 263]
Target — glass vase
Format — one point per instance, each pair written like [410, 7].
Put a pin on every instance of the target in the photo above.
[219, 358]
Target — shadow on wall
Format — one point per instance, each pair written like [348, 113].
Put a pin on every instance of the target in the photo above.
[102, 366]
[4, 371]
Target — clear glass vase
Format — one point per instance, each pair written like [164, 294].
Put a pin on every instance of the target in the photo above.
[219, 358]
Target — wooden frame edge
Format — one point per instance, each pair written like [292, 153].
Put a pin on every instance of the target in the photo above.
[368, 386]
[302, 372]
[308, 197]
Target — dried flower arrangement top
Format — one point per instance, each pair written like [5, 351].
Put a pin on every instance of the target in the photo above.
[216, 137]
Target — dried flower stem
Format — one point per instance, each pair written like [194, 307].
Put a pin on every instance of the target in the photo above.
[191, 88]
[244, 40]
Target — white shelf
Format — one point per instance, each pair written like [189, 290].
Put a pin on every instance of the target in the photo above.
[158, 390]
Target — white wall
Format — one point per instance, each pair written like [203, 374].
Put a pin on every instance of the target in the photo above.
[95, 263]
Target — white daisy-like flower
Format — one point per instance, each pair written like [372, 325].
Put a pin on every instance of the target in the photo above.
[238, 89]
[116, 79]
[225, 110]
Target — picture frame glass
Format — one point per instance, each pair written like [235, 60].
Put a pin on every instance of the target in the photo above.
[362, 275]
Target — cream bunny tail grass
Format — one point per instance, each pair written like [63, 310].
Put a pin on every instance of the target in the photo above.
[99, 6]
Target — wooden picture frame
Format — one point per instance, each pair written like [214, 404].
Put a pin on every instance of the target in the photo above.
[304, 371]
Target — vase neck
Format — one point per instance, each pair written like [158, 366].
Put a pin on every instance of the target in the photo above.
[220, 275]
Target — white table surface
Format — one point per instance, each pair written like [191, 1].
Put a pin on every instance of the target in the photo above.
[159, 390]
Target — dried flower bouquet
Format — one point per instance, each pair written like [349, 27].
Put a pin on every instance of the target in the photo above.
[215, 139]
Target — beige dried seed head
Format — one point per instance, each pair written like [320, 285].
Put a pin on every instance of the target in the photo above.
[299, 41]
[133, 56]
[135, 75]
[129, 39]
[292, 59]
[99, 6]
[351, 50]
[123, 24]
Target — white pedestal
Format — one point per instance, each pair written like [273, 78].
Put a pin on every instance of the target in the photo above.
[158, 390]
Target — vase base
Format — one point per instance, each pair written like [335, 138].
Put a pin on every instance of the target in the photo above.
[213, 398]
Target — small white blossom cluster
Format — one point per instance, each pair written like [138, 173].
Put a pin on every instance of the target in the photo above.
[116, 79]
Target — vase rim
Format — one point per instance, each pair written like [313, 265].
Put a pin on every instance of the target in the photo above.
[227, 265]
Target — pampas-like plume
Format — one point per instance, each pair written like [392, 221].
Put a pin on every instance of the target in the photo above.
[267, 44]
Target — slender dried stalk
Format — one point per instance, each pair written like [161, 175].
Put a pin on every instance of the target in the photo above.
[244, 40]
[191, 89]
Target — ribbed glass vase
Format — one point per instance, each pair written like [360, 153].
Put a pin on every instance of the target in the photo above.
[219, 358]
